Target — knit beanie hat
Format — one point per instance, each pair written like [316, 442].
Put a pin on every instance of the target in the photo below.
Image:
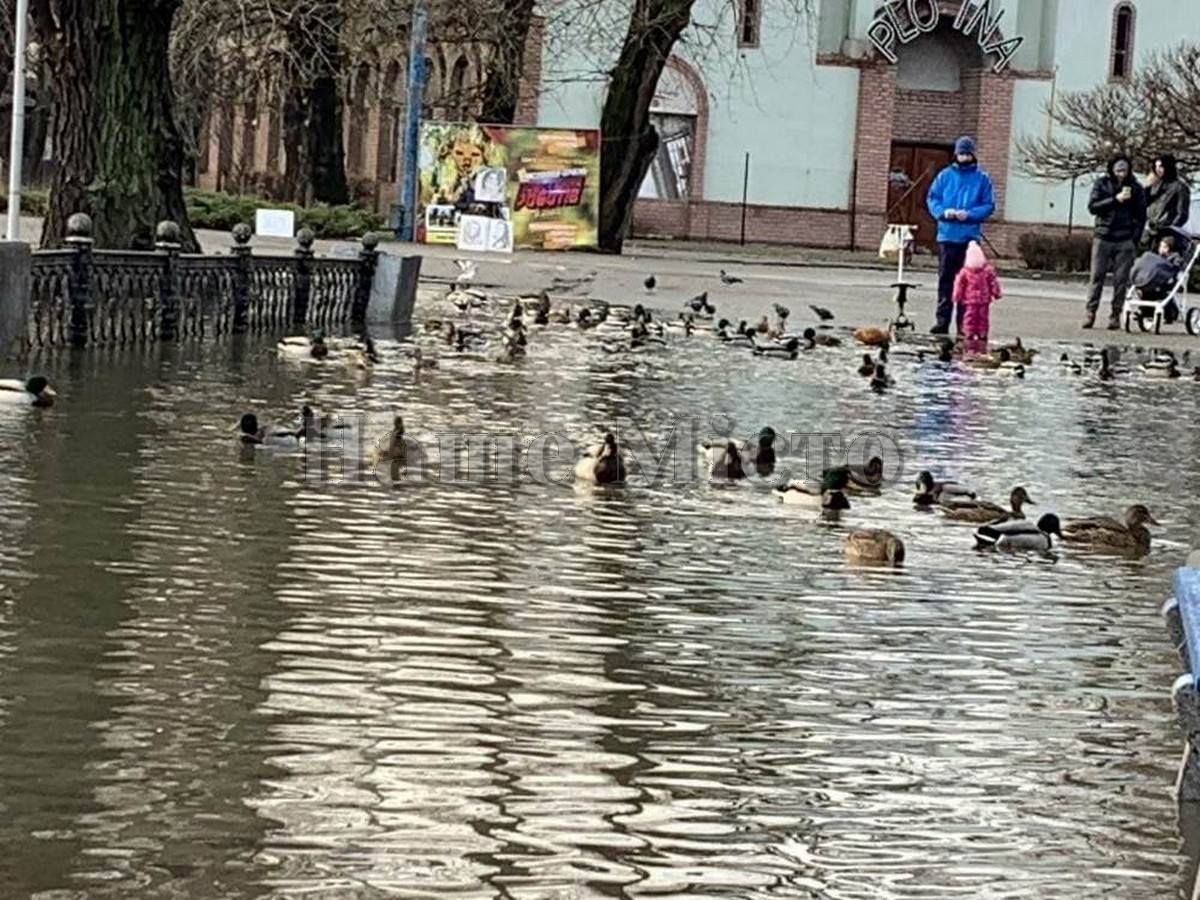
[975, 257]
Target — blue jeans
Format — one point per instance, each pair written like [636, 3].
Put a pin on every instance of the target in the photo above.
[952, 255]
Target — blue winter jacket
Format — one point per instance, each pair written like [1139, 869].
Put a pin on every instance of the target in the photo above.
[961, 187]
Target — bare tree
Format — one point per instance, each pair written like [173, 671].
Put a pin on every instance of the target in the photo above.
[312, 50]
[652, 28]
[1156, 111]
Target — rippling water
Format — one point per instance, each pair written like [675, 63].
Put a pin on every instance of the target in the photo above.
[222, 677]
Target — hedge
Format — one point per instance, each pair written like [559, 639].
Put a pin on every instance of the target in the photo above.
[34, 202]
[220, 212]
[1056, 252]
[1060, 253]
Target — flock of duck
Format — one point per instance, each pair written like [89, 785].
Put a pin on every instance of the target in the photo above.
[998, 527]
[634, 329]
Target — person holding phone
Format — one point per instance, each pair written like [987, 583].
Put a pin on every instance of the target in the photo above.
[961, 199]
[1118, 202]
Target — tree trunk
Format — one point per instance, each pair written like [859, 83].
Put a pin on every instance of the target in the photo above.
[296, 169]
[316, 156]
[502, 83]
[119, 152]
[630, 141]
[326, 148]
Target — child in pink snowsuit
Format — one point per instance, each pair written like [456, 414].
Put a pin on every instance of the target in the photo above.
[976, 288]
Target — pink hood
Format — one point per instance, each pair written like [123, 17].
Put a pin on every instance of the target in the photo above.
[975, 257]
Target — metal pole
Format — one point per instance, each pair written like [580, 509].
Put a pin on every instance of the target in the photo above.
[16, 144]
[412, 120]
[745, 192]
[1071, 213]
[854, 204]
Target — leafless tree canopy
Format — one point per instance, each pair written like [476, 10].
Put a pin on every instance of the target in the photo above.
[1156, 111]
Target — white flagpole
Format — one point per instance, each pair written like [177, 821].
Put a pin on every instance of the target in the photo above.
[16, 145]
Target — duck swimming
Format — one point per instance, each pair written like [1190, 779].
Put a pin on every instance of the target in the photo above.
[739, 336]
[761, 449]
[1102, 533]
[819, 340]
[301, 347]
[788, 350]
[602, 464]
[881, 380]
[728, 464]
[874, 546]
[1019, 534]
[859, 479]
[396, 451]
[251, 433]
[970, 510]
[826, 494]
[35, 392]
[931, 492]
[1019, 353]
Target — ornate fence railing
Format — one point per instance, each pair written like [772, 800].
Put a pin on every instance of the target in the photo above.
[85, 296]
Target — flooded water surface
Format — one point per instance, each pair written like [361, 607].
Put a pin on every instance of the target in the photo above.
[224, 674]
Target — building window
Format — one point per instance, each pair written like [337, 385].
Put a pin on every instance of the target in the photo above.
[749, 22]
[1121, 64]
[458, 88]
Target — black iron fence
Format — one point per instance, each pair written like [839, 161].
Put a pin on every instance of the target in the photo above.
[85, 296]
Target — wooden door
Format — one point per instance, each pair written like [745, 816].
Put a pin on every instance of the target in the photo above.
[912, 170]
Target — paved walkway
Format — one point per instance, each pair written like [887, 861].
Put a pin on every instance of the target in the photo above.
[856, 288]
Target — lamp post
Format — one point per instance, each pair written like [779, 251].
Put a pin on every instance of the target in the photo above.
[16, 144]
[412, 120]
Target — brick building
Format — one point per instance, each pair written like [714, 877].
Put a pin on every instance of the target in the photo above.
[830, 129]
[242, 145]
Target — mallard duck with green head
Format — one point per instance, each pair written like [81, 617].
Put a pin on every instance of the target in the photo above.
[1019, 534]
[35, 392]
[1130, 537]
[931, 492]
[828, 494]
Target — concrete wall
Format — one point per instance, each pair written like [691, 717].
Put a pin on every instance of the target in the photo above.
[764, 100]
[15, 262]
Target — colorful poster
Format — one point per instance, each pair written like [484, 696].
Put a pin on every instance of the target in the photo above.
[552, 181]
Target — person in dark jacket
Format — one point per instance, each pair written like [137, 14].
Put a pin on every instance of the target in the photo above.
[960, 200]
[1119, 204]
[1168, 198]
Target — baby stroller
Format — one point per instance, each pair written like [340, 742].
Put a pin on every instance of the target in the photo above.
[1171, 305]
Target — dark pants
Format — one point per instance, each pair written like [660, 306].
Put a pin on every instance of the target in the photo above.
[952, 256]
[1115, 257]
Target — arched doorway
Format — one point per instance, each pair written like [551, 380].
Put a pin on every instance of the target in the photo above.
[679, 113]
[935, 103]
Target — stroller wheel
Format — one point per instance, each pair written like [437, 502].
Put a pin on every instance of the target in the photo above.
[1192, 320]
[1142, 323]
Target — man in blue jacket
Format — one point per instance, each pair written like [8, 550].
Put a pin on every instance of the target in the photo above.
[960, 200]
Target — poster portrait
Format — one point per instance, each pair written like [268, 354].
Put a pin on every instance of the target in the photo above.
[551, 180]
